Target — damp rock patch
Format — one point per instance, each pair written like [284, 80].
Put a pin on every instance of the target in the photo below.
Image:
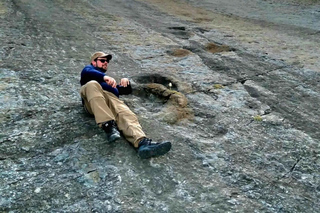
[179, 52]
[216, 48]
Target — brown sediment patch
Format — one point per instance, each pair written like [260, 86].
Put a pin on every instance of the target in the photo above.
[174, 97]
[215, 48]
[179, 52]
[176, 107]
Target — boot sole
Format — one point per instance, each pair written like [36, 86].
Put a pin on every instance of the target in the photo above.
[155, 151]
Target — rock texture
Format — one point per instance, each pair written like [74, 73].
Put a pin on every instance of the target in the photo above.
[233, 85]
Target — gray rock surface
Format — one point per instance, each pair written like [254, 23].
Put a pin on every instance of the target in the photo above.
[242, 108]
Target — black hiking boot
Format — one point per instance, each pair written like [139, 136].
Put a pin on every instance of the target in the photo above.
[110, 128]
[149, 149]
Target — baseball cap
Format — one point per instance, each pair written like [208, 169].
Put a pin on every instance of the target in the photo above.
[100, 55]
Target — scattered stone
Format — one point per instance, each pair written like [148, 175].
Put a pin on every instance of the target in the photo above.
[37, 190]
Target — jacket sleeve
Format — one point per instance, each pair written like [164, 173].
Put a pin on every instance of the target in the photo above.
[109, 88]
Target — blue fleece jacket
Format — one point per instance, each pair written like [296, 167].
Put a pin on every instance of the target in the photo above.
[91, 72]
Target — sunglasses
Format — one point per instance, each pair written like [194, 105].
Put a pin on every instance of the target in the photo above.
[104, 60]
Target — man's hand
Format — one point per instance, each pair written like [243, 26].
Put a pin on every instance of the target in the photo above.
[111, 81]
[124, 82]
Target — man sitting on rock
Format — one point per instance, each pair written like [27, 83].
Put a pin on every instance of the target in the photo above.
[100, 97]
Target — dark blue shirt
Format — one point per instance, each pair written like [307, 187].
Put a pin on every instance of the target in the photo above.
[91, 72]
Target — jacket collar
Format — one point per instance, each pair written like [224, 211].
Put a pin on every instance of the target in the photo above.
[99, 69]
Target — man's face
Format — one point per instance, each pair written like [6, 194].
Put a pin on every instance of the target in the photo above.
[102, 63]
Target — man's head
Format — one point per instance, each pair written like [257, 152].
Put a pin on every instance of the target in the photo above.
[101, 60]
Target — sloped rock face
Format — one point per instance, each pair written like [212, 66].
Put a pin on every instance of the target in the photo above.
[237, 95]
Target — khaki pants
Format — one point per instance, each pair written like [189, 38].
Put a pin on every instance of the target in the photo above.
[105, 106]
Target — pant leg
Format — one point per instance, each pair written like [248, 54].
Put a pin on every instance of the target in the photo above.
[95, 102]
[105, 106]
[126, 120]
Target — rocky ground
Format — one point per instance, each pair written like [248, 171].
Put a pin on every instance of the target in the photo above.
[242, 112]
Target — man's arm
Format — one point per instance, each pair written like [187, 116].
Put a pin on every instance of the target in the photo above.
[90, 73]
[111, 81]
[108, 83]
[124, 82]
